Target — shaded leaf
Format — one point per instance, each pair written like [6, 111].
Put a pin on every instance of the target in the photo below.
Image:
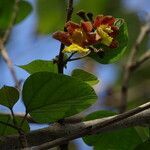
[39, 66]
[100, 114]
[123, 139]
[143, 146]
[8, 96]
[49, 96]
[111, 55]
[143, 132]
[25, 9]
[6, 130]
[6, 10]
[85, 76]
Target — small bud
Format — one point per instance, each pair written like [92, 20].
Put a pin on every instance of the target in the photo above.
[82, 15]
[90, 16]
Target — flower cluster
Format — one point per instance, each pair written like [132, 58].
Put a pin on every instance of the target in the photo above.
[78, 37]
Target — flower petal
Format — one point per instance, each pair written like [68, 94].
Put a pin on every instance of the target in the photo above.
[114, 44]
[115, 31]
[92, 38]
[86, 26]
[105, 38]
[106, 20]
[62, 37]
[71, 27]
[75, 48]
[98, 21]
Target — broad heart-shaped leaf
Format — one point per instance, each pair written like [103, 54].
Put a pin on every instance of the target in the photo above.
[6, 130]
[85, 76]
[122, 139]
[8, 96]
[112, 55]
[39, 66]
[6, 10]
[49, 97]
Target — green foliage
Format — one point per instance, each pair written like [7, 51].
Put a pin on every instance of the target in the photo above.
[6, 10]
[6, 130]
[143, 132]
[49, 97]
[100, 114]
[51, 16]
[96, 6]
[143, 146]
[85, 76]
[51, 12]
[128, 138]
[113, 55]
[39, 66]
[8, 96]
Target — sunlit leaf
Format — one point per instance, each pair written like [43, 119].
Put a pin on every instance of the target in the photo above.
[85, 76]
[49, 97]
[40, 65]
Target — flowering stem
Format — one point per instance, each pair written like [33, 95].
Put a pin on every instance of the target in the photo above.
[62, 46]
[61, 63]
[77, 58]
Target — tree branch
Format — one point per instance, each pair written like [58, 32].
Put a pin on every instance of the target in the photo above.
[93, 129]
[138, 116]
[11, 23]
[4, 39]
[141, 60]
[78, 58]
[128, 67]
[9, 64]
[20, 115]
[62, 46]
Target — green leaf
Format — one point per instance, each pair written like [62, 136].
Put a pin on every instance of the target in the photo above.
[123, 139]
[51, 15]
[143, 146]
[39, 66]
[49, 97]
[6, 130]
[113, 55]
[96, 7]
[85, 76]
[8, 96]
[25, 9]
[99, 114]
[6, 10]
[143, 132]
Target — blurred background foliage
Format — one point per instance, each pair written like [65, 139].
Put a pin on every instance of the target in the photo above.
[50, 17]
[6, 9]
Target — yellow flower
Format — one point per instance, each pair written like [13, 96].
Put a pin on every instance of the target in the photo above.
[103, 31]
[75, 48]
[106, 30]
[77, 37]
